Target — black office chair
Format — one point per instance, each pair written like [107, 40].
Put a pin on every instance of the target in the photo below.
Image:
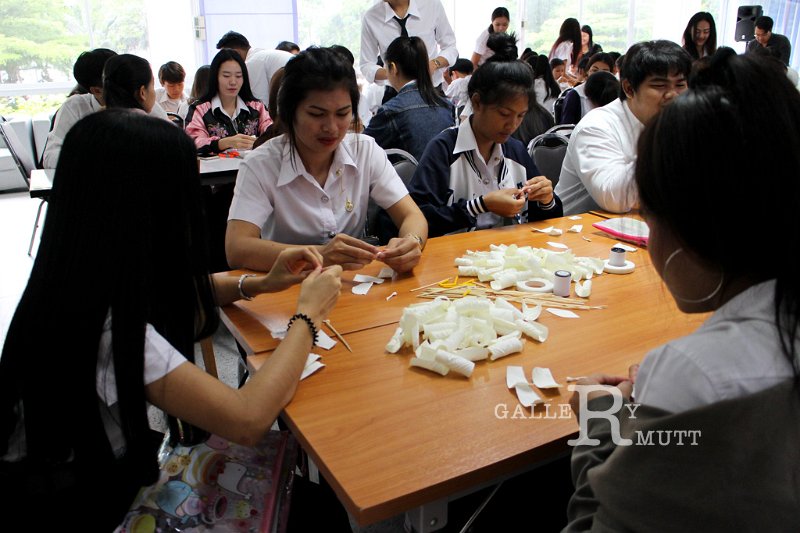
[548, 150]
[379, 227]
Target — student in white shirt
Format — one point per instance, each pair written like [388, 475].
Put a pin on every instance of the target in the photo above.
[500, 22]
[312, 184]
[598, 167]
[88, 72]
[425, 19]
[170, 95]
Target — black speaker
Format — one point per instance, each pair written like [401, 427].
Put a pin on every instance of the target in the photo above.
[746, 22]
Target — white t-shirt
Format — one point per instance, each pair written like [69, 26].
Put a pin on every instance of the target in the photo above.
[160, 358]
[71, 111]
[481, 49]
[736, 352]
[168, 104]
[288, 204]
[563, 51]
[601, 157]
[457, 91]
[261, 66]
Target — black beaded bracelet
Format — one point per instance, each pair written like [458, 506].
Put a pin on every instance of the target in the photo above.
[311, 326]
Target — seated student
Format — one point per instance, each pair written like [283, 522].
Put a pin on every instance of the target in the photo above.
[460, 73]
[544, 84]
[576, 105]
[312, 184]
[559, 68]
[128, 83]
[199, 88]
[88, 72]
[417, 114]
[261, 64]
[227, 116]
[170, 95]
[730, 388]
[602, 88]
[122, 277]
[599, 163]
[477, 176]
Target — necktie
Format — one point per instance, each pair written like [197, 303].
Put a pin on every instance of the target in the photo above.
[402, 23]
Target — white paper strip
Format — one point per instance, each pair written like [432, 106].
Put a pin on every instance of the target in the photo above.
[558, 245]
[455, 363]
[546, 230]
[362, 278]
[504, 347]
[543, 378]
[324, 341]
[563, 313]
[386, 272]
[312, 365]
[526, 395]
[514, 376]
[574, 217]
[278, 333]
[362, 288]
[577, 228]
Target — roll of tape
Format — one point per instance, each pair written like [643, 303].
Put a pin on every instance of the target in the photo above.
[627, 268]
[545, 285]
[561, 283]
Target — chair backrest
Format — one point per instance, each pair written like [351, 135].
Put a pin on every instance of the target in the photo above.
[405, 165]
[558, 106]
[547, 151]
[22, 158]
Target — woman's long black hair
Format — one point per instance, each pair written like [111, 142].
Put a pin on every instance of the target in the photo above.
[124, 237]
[411, 58]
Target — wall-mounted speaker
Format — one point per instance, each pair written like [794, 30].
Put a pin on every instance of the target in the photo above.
[746, 22]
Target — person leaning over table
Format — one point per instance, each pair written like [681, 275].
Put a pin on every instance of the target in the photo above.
[477, 176]
[312, 184]
[118, 295]
[734, 382]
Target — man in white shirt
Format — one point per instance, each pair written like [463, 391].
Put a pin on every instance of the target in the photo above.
[88, 72]
[601, 158]
[261, 64]
[170, 95]
[390, 19]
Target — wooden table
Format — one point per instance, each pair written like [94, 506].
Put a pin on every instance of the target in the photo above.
[390, 439]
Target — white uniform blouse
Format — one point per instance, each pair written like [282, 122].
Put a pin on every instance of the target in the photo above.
[276, 193]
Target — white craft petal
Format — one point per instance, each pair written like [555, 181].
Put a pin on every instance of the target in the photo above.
[386, 272]
[543, 378]
[433, 366]
[563, 313]
[534, 330]
[507, 346]
[514, 376]
[362, 288]
[455, 363]
[396, 342]
[363, 278]
[584, 290]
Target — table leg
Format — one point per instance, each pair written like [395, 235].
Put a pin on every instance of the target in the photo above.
[427, 518]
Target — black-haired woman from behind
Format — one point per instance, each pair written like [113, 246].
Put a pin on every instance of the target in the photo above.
[418, 113]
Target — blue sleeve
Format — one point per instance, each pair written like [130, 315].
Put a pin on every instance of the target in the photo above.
[430, 188]
[572, 108]
[382, 128]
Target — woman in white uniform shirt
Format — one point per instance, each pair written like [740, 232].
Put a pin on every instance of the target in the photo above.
[313, 184]
[500, 22]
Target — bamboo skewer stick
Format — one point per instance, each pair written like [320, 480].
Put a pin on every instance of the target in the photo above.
[339, 335]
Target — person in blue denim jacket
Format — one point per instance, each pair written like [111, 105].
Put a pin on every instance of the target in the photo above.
[417, 114]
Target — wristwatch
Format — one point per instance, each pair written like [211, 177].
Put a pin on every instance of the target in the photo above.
[416, 238]
[437, 62]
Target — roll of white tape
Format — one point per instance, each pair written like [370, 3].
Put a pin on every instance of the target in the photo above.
[561, 283]
[541, 285]
[627, 268]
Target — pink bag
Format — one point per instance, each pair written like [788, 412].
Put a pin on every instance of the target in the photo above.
[219, 485]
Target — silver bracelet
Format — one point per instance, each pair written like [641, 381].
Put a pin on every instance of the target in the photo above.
[242, 295]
